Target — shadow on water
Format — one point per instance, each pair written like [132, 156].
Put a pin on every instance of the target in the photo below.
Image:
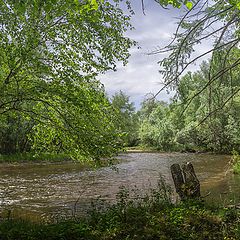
[45, 190]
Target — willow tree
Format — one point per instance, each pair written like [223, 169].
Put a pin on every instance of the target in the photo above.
[50, 54]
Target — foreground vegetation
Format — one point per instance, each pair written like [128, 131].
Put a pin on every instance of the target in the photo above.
[236, 162]
[137, 216]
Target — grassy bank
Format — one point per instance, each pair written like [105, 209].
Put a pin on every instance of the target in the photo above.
[145, 148]
[236, 162]
[32, 157]
[55, 158]
[150, 216]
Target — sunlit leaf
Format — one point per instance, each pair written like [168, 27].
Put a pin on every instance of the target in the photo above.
[189, 5]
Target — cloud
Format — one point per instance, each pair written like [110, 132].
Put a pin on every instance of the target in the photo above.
[141, 76]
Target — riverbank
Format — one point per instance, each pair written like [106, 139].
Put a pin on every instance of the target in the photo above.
[235, 162]
[50, 189]
[32, 157]
[47, 158]
[150, 217]
[149, 214]
[146, 149]
[141, 148]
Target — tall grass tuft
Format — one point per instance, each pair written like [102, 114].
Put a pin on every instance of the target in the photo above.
[236, 162]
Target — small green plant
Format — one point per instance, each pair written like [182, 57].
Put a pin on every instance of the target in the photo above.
[236, 162]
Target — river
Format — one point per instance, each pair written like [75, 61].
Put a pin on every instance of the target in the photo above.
[46, 190]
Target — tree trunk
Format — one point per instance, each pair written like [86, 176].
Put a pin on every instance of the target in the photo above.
[185, 180]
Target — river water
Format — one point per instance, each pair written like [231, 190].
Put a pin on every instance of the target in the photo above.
[46, 190]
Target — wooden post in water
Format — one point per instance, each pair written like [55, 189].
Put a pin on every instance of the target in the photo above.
[186, 182]
[191, 181]
[178, 179]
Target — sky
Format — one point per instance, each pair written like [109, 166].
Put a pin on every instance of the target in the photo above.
[141, 75]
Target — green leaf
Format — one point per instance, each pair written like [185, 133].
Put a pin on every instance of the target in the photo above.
[94, 4]
[189, 5]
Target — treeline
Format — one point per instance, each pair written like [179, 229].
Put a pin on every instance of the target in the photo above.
[203, 116]
[78, 119]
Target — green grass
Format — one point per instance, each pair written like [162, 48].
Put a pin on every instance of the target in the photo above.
[236, 162]
[141, 148]
[236, 168]
[136, 216]
[51, 157]
[32, 157]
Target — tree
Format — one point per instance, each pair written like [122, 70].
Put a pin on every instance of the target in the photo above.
[14, 130]
[127, 119]
[212, 93]
[156, 129]
[211, 119]
[217, 20]
[50, 54]
[194, 121]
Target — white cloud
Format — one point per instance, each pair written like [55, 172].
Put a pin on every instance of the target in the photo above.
[141, 76]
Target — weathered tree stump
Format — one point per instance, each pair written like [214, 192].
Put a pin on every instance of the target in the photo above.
[186, 182]
[178, 179]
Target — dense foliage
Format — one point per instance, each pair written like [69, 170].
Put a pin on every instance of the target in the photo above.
[201, 116]
[50, 55]
[206, 121]
[127, 120]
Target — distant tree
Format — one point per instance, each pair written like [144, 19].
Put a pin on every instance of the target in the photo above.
[14, 131]
[148, 105]
[210, 116]
[208, 120]
[127, 120]
[156, 129]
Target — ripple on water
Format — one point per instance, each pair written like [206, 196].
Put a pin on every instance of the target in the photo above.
[50, 188]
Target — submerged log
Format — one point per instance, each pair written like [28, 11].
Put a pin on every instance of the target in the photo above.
[186, 182]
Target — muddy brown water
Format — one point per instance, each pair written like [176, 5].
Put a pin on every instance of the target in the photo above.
[50, 190]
